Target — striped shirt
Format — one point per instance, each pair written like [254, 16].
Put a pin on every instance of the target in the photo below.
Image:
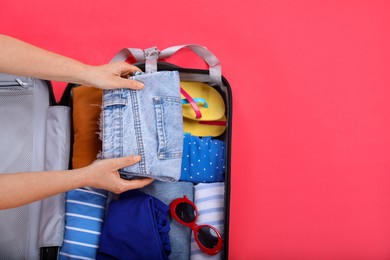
[85, 210]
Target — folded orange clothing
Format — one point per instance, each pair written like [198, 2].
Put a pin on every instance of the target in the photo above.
[87, 103]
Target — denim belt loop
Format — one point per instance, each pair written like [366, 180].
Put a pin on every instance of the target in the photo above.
[151, 57]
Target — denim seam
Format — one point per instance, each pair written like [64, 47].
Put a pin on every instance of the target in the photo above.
[120, 131]
[159, 125]
[138, 132]
[163, 131]
[102, 132]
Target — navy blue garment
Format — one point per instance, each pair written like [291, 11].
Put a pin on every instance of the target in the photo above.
[203, 159]
[136, 227]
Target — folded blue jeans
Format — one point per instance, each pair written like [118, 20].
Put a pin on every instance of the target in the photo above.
[136, 227]
[147, 122]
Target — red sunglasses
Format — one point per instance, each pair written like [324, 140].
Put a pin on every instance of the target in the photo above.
[207, 237]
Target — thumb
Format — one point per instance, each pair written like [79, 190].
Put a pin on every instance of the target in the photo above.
[119, 163]
[136, 183]
[127, 83]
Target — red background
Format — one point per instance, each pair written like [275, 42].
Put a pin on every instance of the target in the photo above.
[310, 82]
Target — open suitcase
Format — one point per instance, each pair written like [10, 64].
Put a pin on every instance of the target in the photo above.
[38, 135]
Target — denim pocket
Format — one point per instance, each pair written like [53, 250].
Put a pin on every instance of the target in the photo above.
[112, 123]
[168, 115]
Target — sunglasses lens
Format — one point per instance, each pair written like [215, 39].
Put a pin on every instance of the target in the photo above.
[185, 212]
[207, 237]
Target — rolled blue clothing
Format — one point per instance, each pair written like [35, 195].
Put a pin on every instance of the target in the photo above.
[203, 159]
[136, 227]
[147, 122]
[179, 235]
[85, 210]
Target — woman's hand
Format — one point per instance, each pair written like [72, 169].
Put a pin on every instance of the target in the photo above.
[103, 174]
[112, 76]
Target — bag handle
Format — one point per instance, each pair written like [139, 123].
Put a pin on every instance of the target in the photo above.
[136, 54]
[151, 55]
[211, 60]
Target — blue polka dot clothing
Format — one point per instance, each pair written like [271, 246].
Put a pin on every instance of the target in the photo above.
[203, 159]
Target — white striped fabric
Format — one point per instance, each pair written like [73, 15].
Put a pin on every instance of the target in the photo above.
[209, 199]
[85, 210]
